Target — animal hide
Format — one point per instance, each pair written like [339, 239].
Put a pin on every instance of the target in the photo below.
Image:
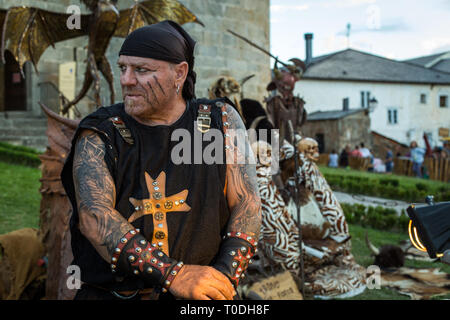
[419, 284]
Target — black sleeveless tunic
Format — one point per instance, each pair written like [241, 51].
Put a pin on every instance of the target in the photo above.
[194, 236]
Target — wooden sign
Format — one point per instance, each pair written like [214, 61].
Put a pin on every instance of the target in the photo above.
[279, 287]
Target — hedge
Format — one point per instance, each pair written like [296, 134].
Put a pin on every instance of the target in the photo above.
[388, 188]
[375, 217]
[19, 155]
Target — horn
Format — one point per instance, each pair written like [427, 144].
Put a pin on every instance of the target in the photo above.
[375, 251]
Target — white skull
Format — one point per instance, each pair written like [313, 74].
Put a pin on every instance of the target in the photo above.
[310, 148]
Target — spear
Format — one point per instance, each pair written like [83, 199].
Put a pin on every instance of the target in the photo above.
[257, 47]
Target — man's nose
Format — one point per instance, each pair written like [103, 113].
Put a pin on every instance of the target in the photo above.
[127, 78]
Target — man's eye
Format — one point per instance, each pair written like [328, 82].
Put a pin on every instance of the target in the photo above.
[141, 70]
[122, 68]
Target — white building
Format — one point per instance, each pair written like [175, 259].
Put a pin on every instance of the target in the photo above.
[411, 99]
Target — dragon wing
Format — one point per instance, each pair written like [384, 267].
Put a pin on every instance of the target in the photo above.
[152, 11]
[27, 32]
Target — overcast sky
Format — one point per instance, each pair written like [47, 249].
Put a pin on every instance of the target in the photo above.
[397, 29]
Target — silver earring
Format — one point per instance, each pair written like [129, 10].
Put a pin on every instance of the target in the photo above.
[178, 88]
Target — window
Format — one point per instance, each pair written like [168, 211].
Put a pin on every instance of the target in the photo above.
[392, 116]
[443, 101]
[423, 98]
[365, 98]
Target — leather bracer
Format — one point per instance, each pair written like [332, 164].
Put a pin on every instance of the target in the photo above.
[235, 254]
[135, 255]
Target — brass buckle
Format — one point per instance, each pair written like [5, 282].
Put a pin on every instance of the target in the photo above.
[203, 123]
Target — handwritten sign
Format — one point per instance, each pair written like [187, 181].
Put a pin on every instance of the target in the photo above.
[279, 287]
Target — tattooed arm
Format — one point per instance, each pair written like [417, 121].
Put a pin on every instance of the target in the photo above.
[95, 192]
[242, 190]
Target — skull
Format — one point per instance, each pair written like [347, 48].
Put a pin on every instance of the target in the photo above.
[310, 148]
[263, 152]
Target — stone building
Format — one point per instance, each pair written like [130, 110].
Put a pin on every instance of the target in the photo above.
[217, 53]
[335, 129]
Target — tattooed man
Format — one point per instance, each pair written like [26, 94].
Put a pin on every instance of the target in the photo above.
[143, 226]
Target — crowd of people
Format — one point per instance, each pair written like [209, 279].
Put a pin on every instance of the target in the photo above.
[415, 154]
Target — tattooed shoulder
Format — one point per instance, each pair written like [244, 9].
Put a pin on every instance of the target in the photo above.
[96, 195]
[242, 190]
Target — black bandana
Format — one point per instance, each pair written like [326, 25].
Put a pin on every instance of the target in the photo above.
[166, 41]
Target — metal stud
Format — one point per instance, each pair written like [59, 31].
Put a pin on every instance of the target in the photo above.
[248, 256]
[174, 272]
[224, 113]
[113, 259]
[160, 264]
[177, 202]
[238, 234]
[227, 147]
[136, 271]
[140, 261]
[153, 245]
[167, 283]
[164, 290]
[250, 261]
[243, 249]
[156, 188]
[131, 258]
[239, 269]
[234, 264]
[137, 208]
[149, 270]
[180, 264]
[226, 124]
[242, 276]
[181, 201]
[153, 260]
[155, 183]
[143, 242]
[132, 232]
[160, 254]
[117, 250]
[160, 244]
[138, 249]
[113, 266]
[249, 238]
[232, 253]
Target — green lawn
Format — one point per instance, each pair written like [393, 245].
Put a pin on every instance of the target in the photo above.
[19, 197]
[20, 201]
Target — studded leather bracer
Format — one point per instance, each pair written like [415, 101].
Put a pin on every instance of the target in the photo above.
[135, 255]
[235, 254]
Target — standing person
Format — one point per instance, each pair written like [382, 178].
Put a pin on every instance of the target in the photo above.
[417, 156]
[138, 214]
[389, 162]
[333, 161]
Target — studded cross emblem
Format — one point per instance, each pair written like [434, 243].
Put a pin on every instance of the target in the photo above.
[158, 205]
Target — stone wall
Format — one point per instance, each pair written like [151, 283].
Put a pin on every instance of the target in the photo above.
[217, 53]
[351, 130]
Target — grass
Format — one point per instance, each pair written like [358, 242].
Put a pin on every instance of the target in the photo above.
[362, 257]
[19, 197]
[20, 202]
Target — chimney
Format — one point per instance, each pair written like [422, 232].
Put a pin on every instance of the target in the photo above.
[345, 103]
[308, 40]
